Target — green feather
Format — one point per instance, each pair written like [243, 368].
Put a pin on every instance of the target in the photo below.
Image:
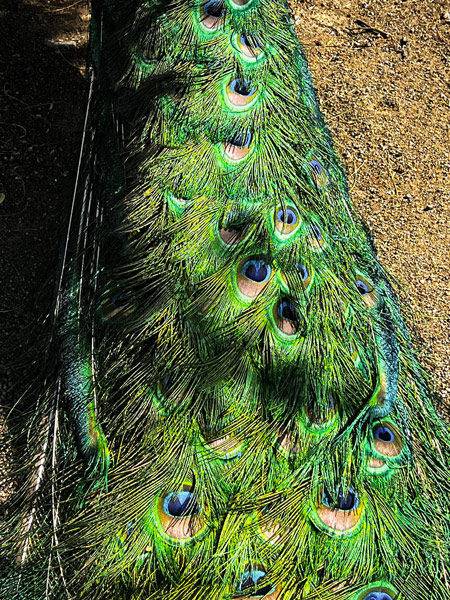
[237, 411]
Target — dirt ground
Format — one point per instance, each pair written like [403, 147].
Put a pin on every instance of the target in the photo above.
[382, 73]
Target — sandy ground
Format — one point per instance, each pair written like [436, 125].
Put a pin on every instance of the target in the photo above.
[382, 73]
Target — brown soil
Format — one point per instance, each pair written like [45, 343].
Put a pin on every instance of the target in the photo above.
[382, 71]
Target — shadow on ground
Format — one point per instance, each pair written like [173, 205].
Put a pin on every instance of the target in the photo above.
[42, 101]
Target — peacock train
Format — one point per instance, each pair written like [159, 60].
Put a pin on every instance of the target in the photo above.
[231, 406]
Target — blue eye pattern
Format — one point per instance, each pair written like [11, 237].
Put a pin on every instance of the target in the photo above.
[252, 579]
[287, 216]
[316, 237]
[237, 146]
[286, 310]
[213, 14]
[120, 300]
[287, 317]
[384, 434]
[253, 275]
[287, 220]
[249, 46]
[180, 515]
[318, 173]
[378, 596]
[305, 275]
[250, 41]
[367, 291]
[240, 139]
[346, 500]
[240, 93]
[243, 87]
[215, 8]
[257, 270]
[387, 440]
[362, 287]
[339, 513]
[181, 504]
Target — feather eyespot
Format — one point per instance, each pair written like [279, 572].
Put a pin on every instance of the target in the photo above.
[366, 290]
[181, 504]
[243, 87]
[362, 287]
[286, 217]
[387, 440]
[318, 173]
[253, 275]
[170, 389]
[241, 92]
[250, 41]
[345, 501]
[249, 45]
[376, 591]
[240, 139]
[255, 578]
[180, 515]
[353, 351]
[227, 447]
[286, 317]
[286, 310]
[257, 270]
[120, 300]
[118, 307]
[287, 220]
[238, 145]
[340, 515]
[384, 434]
[232, 229]
[214, 12]
[316, 236]
[319, 417]
[305, 274]
[378, 595]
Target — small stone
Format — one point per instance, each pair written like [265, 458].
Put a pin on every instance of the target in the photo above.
[2, 197]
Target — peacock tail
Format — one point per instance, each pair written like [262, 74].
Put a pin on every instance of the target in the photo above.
[232, 407]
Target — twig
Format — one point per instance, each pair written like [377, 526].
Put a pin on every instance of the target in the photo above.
[365, 27]
[13, 97]
[66, 7]
[391, 175]
[15, 125]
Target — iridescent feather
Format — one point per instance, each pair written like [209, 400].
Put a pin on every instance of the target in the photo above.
[249, 418]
